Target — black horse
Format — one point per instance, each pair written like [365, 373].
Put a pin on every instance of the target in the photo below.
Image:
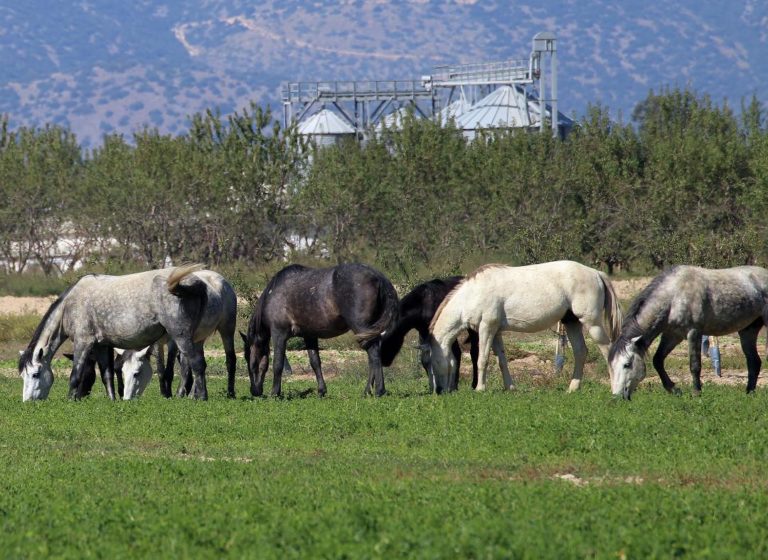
[417, 308]
[316, 303]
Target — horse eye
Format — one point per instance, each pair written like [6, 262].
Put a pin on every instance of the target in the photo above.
[628, 365]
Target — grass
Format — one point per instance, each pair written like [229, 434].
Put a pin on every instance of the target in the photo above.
[530, 474]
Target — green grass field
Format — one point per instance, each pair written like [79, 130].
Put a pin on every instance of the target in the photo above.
[535, 473]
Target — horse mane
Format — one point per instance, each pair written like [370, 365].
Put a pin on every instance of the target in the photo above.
[483, 268]
[180, 272]
[26, 355]
[630, 328]
[413, 309]
[257, 317]
[466, 279]
[445, 302]
[611, 307]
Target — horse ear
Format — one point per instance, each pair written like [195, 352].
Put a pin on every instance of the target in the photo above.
[70, 357]
[145, 352]
[636, 341]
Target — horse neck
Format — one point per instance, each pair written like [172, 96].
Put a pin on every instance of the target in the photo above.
[647, 322]
[448, 324]
[52, 335]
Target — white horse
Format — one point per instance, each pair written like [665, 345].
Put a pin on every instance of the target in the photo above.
[498, 298]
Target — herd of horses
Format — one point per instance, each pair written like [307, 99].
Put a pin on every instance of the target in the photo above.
[118, 322]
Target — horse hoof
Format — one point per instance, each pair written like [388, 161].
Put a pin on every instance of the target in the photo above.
[676, 391]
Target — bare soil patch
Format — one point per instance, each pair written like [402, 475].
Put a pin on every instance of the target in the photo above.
[11, 305]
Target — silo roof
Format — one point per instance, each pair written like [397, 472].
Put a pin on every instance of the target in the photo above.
[395, 119]
[453, 110]
[504, 107]
[325, 121]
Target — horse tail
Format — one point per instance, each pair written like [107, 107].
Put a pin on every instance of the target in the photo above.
[180, 284]
[611, 308]
[390, 311]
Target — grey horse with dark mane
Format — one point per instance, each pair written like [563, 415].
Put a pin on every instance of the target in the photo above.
[686, 302]
[102, 312]
[315, 303]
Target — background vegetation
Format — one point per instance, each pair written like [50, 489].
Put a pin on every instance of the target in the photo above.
[684, 181]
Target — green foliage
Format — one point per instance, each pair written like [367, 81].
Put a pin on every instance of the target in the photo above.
[531, 474]
[685, 183]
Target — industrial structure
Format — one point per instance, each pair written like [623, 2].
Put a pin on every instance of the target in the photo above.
[508, 94]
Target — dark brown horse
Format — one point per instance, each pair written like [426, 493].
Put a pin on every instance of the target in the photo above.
[316, 303]
[417, 308]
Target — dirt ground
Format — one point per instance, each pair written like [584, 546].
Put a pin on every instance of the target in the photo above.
[10, 305]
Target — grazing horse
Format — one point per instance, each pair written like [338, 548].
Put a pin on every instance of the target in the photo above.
[136, 370]
[134, 362]
[102, 312]
[218, 314]
[498, 298]
[318, 303]
[417, 308]
[685, 302]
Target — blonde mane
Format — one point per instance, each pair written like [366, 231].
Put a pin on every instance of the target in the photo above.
[443, 303]
[471, 276]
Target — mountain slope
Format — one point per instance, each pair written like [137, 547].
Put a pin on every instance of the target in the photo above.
[101, 66]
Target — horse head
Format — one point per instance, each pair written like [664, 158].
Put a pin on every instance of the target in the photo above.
[256, 353]
[36, 372]
[136, 371]
[442, 363]
[627, 361]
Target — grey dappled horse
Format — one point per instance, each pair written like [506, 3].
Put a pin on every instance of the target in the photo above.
[102, 312]
[316, 303]
[685, 302]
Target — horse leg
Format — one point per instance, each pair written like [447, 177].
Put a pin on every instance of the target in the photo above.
[474, 351]
[425, 355]
[694, 358]
[313, 352]
[576, 339]
[498, 347]
[228, 338]
[192, 353]
[88, 379]
[666, 345]
[456, 351]
[748, 339]
[600, 336]
[118, 375]
[166, 384]
[185, 378]
[376, 372]
[281, 340]
[105, 357]
[486, 334]
[82, 353]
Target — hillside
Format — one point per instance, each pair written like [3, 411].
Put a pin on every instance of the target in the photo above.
[103, 66]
